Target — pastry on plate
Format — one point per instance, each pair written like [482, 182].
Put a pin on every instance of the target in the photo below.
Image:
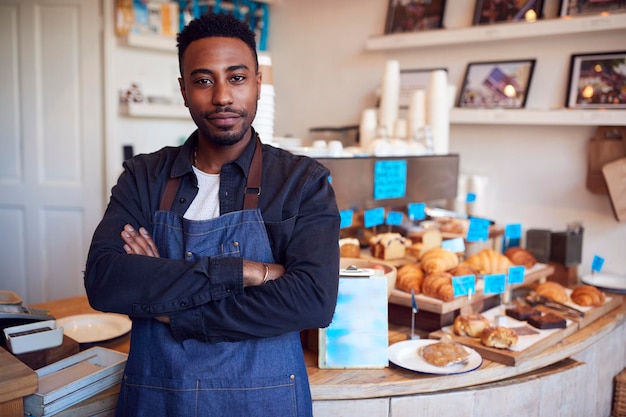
[499, 337]
[471, 325]
[443, 353]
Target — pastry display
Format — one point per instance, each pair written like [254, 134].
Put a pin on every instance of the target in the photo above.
[547, 321]
[438, 286]
[349, 247]
[471, 325]
[498, 337]
[410, 277]
[388, 246]
[552, 290]
[437, 260]
[520, 256]
[489, 261]
[443, 353]
[587, 296]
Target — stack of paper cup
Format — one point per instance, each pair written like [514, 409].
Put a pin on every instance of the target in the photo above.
[390, 96]
[438, 111]
[264, 121]
[416, 114]
[367, 128]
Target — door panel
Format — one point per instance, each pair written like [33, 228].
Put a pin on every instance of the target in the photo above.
[51, 179]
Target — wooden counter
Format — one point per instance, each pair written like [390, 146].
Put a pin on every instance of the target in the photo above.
[593, 355]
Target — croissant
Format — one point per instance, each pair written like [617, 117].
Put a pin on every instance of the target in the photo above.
[488, 261]
[409, 277]
[438, 260]
[438, 286]
[588, 295]
[462, 269]
[521, 256]
[552, 290]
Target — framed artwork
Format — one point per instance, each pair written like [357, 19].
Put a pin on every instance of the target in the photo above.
[502, 84]
[499, 11]
[411, 80]
[414, 15]
[591, 7]
[597, 81]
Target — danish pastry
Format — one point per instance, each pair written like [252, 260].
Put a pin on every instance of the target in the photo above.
[498, 337]
[471, 325]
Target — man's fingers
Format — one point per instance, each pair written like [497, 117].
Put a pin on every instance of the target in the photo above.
[138, 243]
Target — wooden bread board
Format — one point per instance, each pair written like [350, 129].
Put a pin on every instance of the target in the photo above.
[590, 314]
[526, 348]
[538, 272]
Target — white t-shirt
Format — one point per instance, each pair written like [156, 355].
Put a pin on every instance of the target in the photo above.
[206, 205]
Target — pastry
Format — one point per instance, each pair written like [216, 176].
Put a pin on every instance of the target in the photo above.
[520, 256]
[438, 286]
[521, 312]
[471, 325]
[389, 246]
[489, 261]
[498, 337]
[443, 353]
[410, 277]
[547, 321]
[588, 295]
[552, 290]
[438, 260]
[349, 247]
[462, 269]
[416, 250]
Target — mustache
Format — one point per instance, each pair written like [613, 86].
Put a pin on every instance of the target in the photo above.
[226, 109]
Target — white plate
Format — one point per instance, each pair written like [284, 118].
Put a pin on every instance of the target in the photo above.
[89, 328]
[606, 282]
[405, 354]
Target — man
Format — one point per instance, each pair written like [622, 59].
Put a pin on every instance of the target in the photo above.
[220, 250]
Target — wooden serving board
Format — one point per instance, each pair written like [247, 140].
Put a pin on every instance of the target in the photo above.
[534, 274]
[526, 348]
[590, 314]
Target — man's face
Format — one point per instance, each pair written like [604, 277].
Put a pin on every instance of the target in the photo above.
[221, 87]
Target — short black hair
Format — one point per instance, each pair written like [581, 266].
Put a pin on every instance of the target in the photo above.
[211, 25]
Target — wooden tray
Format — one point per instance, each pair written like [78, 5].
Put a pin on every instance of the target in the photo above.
[527, 346]
[534, 274]
[590, 314]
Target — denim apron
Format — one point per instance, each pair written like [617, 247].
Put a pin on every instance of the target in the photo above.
[257, 377]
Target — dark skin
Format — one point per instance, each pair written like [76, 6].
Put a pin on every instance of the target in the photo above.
[220, 86]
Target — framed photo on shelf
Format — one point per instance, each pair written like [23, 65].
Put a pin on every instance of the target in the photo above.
[500, 11]
[411, 80]
[597, 81]
[414, 15]
[591, 7]
[501, 84]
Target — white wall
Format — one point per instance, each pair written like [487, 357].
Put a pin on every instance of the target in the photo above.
[324, 77]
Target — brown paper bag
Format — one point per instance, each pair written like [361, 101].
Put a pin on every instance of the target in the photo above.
[609, 144]
[615, 176]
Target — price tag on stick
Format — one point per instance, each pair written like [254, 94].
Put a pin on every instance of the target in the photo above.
[494, 283]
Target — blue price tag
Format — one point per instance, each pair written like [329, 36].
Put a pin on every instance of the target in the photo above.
[394, 218]
[464, 285]
[513, 231]
[374, 217]
[516, 274]
[455, 245]
[346, 218]
[417, 211]
[598, 262]
[470, 197]
[390, 179]
[494, 283]
[478, 230]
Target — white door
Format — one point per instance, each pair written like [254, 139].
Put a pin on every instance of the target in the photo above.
[51, 141]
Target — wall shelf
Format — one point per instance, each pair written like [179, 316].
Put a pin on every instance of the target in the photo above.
[160, 111]
[498, 32]
[538, 117]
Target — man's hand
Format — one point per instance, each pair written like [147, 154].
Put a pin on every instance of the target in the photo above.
[139, 243]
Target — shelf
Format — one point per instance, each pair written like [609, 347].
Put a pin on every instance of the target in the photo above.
[161, 111]
[538, 117]
[498, 32]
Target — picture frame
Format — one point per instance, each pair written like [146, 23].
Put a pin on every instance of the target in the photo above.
[414, 15]
[597, 81]
[591, 7]
[496, 84]
[411, 80]
[488, 12]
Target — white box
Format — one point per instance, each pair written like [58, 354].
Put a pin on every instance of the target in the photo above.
[33, 336]
[74, 379]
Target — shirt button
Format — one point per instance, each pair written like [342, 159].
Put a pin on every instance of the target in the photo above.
[182, 200]
[189, 254]
[227, 289]
[292, 377]
[236, 244]
[183, 304]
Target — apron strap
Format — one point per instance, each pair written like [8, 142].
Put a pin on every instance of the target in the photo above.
[253, 185]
